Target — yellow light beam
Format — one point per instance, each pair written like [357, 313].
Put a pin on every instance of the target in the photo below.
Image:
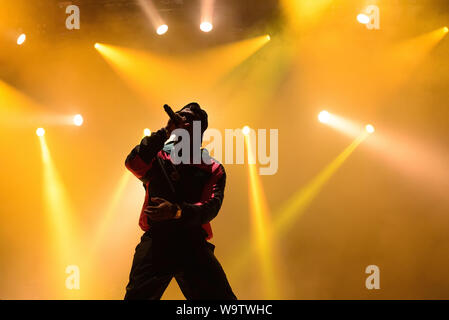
[297, 205]
[256, 82]
[302, 198]
[400, 61]
[341, 124]
[19, 110]
[58, 208]
[64, 233]
[207, 10]
[145, 72]
[263, 240]
[151, 13]
[156, 77]
[216, 62]
[14, 106]
[108, 216]
[414, 50]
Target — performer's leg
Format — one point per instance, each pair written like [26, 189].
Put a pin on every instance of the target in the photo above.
[203, 278]
[145, 281]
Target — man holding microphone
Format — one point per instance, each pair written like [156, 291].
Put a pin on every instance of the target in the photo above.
[180, 201]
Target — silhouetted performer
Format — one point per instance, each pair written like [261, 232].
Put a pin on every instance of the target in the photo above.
[180, 202]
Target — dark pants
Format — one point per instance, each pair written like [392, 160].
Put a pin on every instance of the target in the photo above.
[190, 260]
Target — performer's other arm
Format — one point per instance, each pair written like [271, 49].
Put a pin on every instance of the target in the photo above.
[203, 212]
[141, 158]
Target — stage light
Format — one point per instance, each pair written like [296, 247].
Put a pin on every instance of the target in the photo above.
[40, 132]
[59, 214]
[207, 13]
[363, 18]
[300, 201]
[345, 126]
[21, 39]
[206, 26]
[151, 73]
[268, 37]
[324, 116]
[153, 16]
[107, 219]
[369, 128]
[403, 58]
[286, 216]
[146, 132]
[261, 225]
[446, 29]
[97, 45]
[78, 120]
[162, 29]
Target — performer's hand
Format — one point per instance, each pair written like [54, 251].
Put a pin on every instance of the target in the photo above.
[162, 210]
[172, 126]
[182, 123]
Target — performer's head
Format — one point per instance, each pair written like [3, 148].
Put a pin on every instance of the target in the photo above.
[193, 112]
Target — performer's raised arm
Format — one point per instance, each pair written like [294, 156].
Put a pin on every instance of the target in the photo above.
[141, 158]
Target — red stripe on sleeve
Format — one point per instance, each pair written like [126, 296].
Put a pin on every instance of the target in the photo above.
[138, 167]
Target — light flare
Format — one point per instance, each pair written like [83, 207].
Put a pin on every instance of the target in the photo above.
[146, 132]
[369, 128]
[40, 132]
[363, 18]
[206, 26]
[21, 39]
[78, 120]
[341, 124]
[162, 29]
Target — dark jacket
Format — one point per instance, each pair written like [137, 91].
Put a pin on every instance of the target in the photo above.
[199, 188]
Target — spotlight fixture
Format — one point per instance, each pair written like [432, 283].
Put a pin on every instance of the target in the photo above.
[206, 26]
[163, 28]
[324, 116]
[78, 120]
[363, 18]
[146, 132]
[369, 128]
[246, 130]
[40, 132]
[21, 39]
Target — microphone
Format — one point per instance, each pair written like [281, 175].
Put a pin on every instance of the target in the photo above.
[175, 118]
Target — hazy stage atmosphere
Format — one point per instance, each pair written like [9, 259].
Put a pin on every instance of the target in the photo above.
[357, 92]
